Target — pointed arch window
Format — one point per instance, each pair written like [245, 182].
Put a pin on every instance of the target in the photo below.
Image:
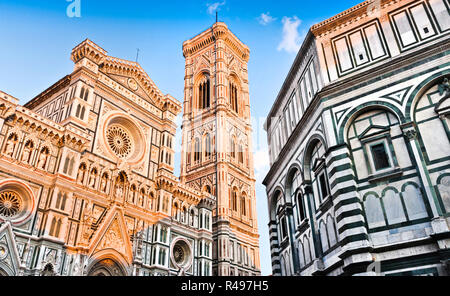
[84, 94]
[241, 154]
[234, 97]
[197, 151]
[208, 146]
[234, 197]
[233, 148]
[243, 205]
[204, 93]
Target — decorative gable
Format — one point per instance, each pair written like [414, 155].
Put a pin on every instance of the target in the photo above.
[113, 235]
[9, 256]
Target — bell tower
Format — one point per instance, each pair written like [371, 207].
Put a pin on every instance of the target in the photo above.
[217, 145]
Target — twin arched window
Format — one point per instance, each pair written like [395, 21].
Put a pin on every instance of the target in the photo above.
[55, 227]
[204, 93]
[81, 110]
[68, 165]
[235, 200]
[197, 151]
[84, 94]
[234, 103]
[234, 197]
[207, 145]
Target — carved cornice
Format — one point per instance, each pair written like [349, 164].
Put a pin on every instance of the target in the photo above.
[348, 16]
[42, 97]
[219, 31]
[20, 117]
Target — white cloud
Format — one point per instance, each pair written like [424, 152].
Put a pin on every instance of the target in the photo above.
[265, 19]
[262, 164]
[291, 38]
[213, 7]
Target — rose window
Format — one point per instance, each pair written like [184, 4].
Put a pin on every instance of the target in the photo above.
[119, 141]
[178, 255]
[181, 254]
[10, 204]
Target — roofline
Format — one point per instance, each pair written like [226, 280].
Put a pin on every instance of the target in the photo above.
[55, 87]
[290, 77]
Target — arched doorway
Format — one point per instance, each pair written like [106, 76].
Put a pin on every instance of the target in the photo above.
[106, 267]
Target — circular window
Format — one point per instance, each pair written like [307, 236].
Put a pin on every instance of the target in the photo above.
[181, 254]
[124, 139]
[119, 141]
[10, 204]
[178, 254]
[16, 202]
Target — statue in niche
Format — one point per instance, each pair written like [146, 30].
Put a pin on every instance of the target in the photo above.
[11, 145]
[87, 220]
[119, 190]
[81, 172]
[132, 195]
[27, 152]
[104, 182]
[92, 178]
[43, 158]
[141, 198]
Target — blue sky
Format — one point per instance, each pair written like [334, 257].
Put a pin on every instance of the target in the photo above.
[38, 36]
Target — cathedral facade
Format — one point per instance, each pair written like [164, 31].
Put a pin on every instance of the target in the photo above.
[86, 179]
[359, 143]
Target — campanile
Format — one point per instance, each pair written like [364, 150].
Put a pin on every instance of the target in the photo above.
[217, 145]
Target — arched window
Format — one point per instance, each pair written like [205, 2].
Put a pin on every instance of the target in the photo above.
[318, 173]
[63, 203]
[373, 211]
[77, 113]
[234, 197]
[192, 218]
[233, 148]
[307, 250]
[301, 254]
[234, 97]
[241, 153]
[83, 111]
[208, 146]
[332, 237]
[301, 208]
[323, 236]
[58, 228]
[55, 227]
[184, 217]
[204, 93]
[58, 200]
[197, 151]
[84, 94]
[243, 205]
